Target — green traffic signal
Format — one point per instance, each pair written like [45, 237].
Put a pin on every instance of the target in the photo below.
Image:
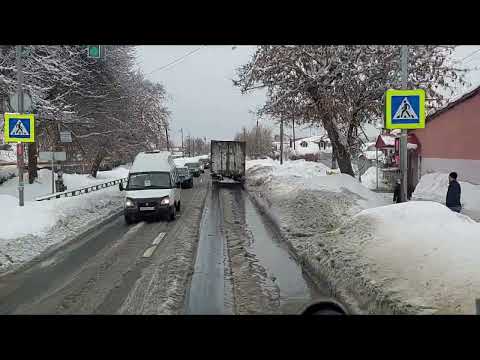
[94, 51]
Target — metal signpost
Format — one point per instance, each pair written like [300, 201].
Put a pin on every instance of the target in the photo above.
[405, 109]
[281, 140]
[52, 156]
[19, 127]
[19, 64]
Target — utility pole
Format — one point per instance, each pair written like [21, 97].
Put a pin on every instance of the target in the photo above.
[20, 147]
[166, 134]
[403, 137]
[183, 150]
[281, 140]
[256, 141]
[293, 127]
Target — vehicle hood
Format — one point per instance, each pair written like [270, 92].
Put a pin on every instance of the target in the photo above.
[148, 193]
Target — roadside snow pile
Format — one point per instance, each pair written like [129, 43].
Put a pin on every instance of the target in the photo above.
[415, 257]
[27, 231]
[7, 172]
[372, 155]
[307, 146]
[301, 175]
[8, 155]
[303, 201]
[369, 179]
[434, 186]
[411, 258]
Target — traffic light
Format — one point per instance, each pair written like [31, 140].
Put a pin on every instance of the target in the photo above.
[94, 51]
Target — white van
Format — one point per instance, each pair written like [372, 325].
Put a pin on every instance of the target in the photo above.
[153, 188]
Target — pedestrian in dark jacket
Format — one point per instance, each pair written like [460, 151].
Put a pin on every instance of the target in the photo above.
[453, 193]
[397, 197]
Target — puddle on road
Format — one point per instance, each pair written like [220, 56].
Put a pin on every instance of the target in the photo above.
[273, 255]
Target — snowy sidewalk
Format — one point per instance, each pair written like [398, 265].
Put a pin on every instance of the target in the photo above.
[413, 258]
[27, 231]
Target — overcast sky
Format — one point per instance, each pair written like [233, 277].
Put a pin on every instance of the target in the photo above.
[203, 100]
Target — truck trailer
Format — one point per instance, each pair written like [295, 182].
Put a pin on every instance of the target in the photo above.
[227, 161]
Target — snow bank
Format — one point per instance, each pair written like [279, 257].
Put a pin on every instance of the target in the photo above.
[434, 186]
[369, 179]
[8, 155]
[372, 155]
[304, 175]
[417, 257]
[27, 231]
[412, 258]
[305, 203]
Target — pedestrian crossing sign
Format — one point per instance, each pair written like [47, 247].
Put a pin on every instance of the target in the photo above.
[19, 128]
[405, 109]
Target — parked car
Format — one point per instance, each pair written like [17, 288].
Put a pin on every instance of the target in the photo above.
[194, 168]
[205, 163]
[153, 187]
[185, 177]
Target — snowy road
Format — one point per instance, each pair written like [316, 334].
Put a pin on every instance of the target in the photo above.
[242, 267]
[102, 273]
[221, 256]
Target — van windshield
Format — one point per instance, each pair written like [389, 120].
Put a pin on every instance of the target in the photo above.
[150, 180]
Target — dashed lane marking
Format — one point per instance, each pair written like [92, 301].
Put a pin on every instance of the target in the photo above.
[159, 238]
[149, 251]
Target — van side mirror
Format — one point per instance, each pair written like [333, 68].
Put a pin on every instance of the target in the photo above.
[120, 186]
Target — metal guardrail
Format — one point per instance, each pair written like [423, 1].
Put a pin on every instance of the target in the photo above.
[80, 191]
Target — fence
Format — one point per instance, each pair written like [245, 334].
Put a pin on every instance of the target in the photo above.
[80, 191]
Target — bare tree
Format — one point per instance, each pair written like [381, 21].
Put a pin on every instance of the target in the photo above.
[341, 87]
[258, 140]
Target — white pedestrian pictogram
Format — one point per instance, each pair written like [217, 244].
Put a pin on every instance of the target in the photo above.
[405, 111]
[19, 129]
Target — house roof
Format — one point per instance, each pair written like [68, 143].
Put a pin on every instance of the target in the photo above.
[454, 103]
[385, 141]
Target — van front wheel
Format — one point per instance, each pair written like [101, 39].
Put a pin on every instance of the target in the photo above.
[129, 219]
[173, 213]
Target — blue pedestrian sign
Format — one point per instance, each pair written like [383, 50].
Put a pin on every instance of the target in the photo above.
[405, 109]
[19, 128]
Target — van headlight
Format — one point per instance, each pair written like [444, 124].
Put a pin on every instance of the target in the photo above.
[165, 201]
[129, 203]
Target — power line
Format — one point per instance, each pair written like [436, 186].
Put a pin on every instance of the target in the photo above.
[176, 60]
[466, 57]
[472, 59]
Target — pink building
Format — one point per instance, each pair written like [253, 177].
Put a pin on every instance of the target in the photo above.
[450, 141]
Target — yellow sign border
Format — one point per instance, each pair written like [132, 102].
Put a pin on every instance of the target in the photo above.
[7, 118]
[388, 108]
